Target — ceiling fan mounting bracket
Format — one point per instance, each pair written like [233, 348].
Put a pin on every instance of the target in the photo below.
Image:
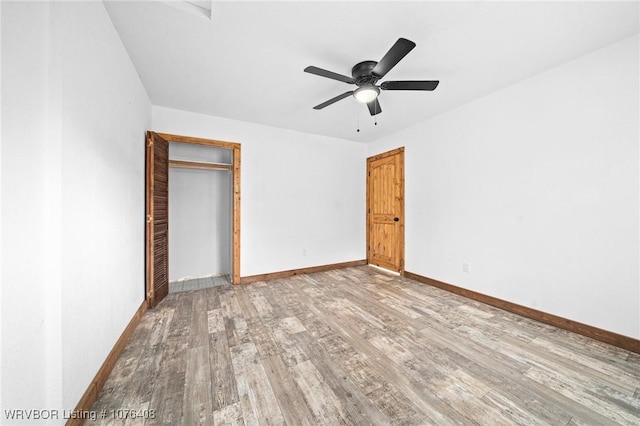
[361, 73]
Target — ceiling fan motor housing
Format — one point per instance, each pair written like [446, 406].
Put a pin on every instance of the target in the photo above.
[361, 73]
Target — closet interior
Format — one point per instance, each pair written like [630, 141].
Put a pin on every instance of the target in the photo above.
[200, 216]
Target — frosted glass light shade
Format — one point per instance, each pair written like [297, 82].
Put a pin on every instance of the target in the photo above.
[366, 93]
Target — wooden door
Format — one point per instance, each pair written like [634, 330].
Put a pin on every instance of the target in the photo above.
[385, 210]
[157, 209]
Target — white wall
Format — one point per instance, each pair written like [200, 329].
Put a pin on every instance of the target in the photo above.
[72, 199]
[24, 132]
[535, 187]
[303, 195]
[200, 221]
[1, 215]
[105, 112]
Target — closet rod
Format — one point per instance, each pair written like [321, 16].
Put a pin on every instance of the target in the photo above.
[198, 165]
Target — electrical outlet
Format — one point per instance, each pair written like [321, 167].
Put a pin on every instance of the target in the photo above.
[465, 267]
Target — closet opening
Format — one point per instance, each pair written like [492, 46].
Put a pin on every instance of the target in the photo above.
[193, 214]
[200, 216]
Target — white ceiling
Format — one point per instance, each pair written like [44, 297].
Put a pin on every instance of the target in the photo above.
[247, 61]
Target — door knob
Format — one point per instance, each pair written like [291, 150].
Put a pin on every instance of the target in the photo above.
[396, 219]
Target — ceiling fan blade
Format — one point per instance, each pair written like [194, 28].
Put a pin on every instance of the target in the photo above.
[333, 100]
[329, 74]
[398, 51]
[374, 107]
[410, 85]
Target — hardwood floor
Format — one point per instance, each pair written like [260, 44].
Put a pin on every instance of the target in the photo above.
[358, 346]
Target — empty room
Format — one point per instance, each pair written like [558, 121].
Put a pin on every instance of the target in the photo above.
[320, 212]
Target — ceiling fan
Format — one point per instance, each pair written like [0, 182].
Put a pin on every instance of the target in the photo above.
[366, 74]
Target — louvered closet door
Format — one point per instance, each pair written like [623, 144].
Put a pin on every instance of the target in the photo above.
[157, 231]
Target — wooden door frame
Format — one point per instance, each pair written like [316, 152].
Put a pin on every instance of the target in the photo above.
[235, 169]
[402, 219]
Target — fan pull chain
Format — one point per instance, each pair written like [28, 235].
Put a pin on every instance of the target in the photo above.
[357, 118]
[375, 117]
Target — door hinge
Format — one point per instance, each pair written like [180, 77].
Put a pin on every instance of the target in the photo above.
[149, 218]
[150, 142]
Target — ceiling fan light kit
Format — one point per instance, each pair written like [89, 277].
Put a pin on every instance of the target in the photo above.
[366, 93]
[366, 74]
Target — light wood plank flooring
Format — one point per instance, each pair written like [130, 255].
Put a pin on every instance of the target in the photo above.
[358, 346]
